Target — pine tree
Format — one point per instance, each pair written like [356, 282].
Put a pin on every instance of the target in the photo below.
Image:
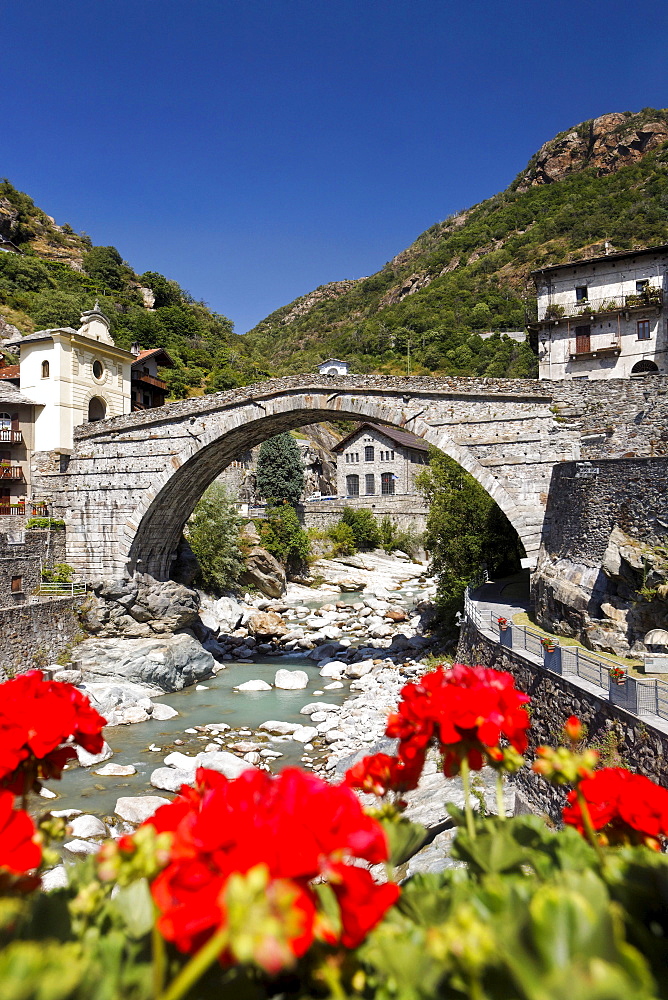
[280, 470]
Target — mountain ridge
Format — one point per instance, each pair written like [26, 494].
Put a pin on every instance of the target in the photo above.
[603, 180]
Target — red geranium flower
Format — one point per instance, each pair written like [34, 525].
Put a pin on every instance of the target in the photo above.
[467, 710]
[380, 774]
[36, 718]
[295, 826]
[624, 807]
[19, 851]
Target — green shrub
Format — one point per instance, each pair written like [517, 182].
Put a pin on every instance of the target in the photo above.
[213, 535]
[283, 536]
[344, 540]
[52, 523]
[363, 525]
[406, 539]
[59, 573]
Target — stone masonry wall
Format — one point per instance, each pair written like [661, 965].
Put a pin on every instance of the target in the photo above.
[583, 508]
[22, 555]
[553, 698]
[404, 512]
[34, 635]
[604, 553]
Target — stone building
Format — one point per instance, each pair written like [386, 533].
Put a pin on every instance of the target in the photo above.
[377, 460]
[603, 317]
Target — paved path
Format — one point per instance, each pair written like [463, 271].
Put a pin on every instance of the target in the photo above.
[490, 597]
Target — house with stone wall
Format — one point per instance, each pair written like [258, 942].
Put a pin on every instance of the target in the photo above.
[604, 317]
[375, 460]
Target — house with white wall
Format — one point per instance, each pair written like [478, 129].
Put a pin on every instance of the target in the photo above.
[73, 376]
[604, 317]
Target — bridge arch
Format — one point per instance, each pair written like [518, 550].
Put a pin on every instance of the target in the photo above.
[134, 480]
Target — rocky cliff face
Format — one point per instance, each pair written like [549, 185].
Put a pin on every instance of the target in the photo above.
[607, 144]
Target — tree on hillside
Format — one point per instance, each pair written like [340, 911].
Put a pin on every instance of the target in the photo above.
[213, 535]
[105, 266]
[280, 470]
[465, 530]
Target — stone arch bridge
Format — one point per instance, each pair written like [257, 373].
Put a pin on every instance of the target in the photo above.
[131, 482]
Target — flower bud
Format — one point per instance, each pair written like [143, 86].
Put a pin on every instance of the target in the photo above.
[574, 729]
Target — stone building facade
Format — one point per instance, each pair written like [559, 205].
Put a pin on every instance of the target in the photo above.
[378, 461]
[604, 317]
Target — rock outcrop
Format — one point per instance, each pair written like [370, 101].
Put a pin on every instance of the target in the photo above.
[610, 606]
[141, 608]
[263, 572]
[607, 144]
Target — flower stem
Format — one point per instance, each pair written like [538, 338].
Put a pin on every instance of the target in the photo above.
[588, 825]
[196, 967]
[500, 805]
[159, 960]
[466, 782]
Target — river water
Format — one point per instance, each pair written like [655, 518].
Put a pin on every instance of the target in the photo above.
[81, 788]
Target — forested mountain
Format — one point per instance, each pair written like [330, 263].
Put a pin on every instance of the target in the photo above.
[58, 273]
[603, 180]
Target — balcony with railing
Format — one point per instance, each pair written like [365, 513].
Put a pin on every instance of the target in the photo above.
[23, 508]
[13, 472]
[8, 436]
[598, 306]
[157, 383]
[586, 345]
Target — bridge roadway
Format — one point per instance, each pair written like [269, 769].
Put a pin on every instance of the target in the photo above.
[132, 482]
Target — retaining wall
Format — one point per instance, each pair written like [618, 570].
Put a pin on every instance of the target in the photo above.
[641, 746]
[408, 511]
[34, 635]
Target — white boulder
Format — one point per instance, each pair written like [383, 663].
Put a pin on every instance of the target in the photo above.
[291, 680]
[138, 808]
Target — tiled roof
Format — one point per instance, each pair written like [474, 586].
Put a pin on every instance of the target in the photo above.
[403, 438]
[10, 371]
[155, 350]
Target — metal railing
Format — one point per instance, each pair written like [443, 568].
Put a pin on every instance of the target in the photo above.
[21, 508]
[640, 696]
[604, 304]
[49, 589]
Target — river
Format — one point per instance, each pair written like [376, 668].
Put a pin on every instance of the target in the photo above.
[215, 701]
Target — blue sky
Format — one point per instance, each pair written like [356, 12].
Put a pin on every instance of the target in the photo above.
[255, 149]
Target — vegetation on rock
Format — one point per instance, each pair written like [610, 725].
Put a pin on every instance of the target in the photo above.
[282, 535]
[471, 273]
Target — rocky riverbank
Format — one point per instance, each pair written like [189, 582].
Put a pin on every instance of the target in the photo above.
[359, 633]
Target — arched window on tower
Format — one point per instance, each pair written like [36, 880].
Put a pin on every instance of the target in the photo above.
[45, 369]
[97, 409]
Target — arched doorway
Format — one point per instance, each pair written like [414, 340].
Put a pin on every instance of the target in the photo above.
[97, 409]
[645, 368]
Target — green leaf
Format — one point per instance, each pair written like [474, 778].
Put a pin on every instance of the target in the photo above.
[404, 838]
[135, 905]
